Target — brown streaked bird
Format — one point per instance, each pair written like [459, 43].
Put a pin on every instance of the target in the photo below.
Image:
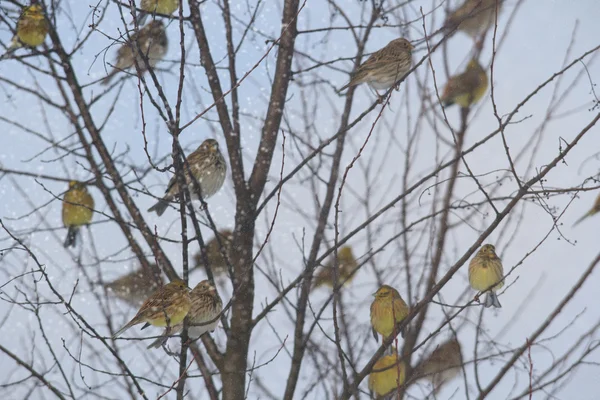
[208, 167]
[77, 211]
[387, 311]
[166, 7]
[346, 266]
[135, 287]
[442, 365]
[485, 271]
[595, 209]
[216, 260]
[153, 44]
[387, 375]
[473, 17]
[206, 305]
[167, 306]
[467, 88]
[32, 28]
[384, 68]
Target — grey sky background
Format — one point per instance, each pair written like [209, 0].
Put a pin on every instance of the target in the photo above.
[534, 49]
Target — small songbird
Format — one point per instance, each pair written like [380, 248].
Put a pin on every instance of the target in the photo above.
[153, 44]
[77, 210]
[208, 167]
[134, 287]
[387, 375]
[474, 17]
[166, 7]
[467, 88]
[442, 365]
[387, 311]
[166, 306]
[386, 67]
[32, 28]
[346, 263]
[216, 260]
[485, 271]
[202, 317]
[595, 209]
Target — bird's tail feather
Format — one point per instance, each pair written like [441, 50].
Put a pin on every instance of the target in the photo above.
[159, 207]
[492, 300]
[158, 342]
[582, 218]
[123, 329]
[71, 238]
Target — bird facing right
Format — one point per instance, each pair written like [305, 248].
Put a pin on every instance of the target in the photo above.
[387, 374]
[77, 211]
[202, 317]
[442, 365]
[152, 42]
[387, 311]
[207, 166]
[467, 88]
[473, 17]
[485, 271]
[595, 209]
[386, 67]
[32, 28]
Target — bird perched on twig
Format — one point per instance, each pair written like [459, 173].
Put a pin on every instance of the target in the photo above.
[77, 210]
[207, 166]
[167, 306]
[485, 271]
[32, 28]
[217, 262]
[467, 88]
[474, 17]
[442, 365]
[387, 311]
[151, 41]
[595, 209]
[134, 287]
[166, 7]
[206, 305]
[384, 68]
[387, 374]
[346, 266]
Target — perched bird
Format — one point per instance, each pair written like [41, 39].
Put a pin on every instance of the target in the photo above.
[32, 28]
[134, 287]
[207, 166]
[442, 365]
[467, 88]
[474, 17]
[77, 210]
[485, 270]
[386, 67]
[166, 7]
[166, 306]
[346, 263]
[387, 311]
[387, 374]
[216, 260]
[202, 317]
[153, 44]
[595, 209]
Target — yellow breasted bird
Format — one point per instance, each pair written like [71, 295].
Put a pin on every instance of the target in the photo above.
[32, 28]
[346, 265]
[78, 210]
[166, 7]
[167, 307]
[387, 311]
[467, 88]
[485, 271]
[595, 209]
[387, 375]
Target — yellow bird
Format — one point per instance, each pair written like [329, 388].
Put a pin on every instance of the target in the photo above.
[387, 374]
[595, 209]
[32, 28]
[442, 365]
[467, 88]
[485, 271]
[387, 311]
[346, 263]
[78, 210]
[166, 7]
[167, 306]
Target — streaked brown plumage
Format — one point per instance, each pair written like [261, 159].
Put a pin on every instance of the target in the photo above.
[216, 260]
[473, 17]
[387, 375]
[153, 44]
[467, 88]
[77, 211]
[208, 167]
[167, 306]
[595, 209]
[386, 67]
[206, 305]
[346, 265]
[485, 270]
[442, 365]
[135, 287]
[387, 311]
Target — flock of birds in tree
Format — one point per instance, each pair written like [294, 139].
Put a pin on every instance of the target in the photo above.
[204, 173]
